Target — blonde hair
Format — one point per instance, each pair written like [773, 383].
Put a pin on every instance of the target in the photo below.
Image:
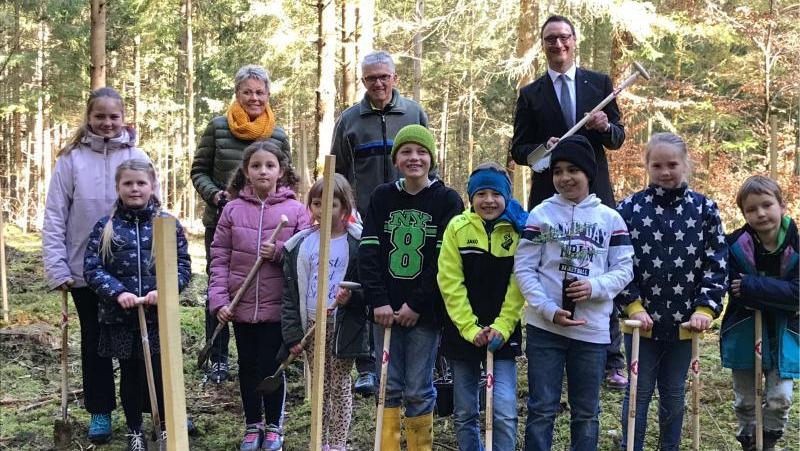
[81, 131]
[341, 191]
[107, 238]
[670, 139]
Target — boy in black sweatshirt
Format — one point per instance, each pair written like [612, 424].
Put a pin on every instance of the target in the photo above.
[399, 249]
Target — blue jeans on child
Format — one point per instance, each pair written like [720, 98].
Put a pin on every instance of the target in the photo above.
[662, 363]
[412, 353]
[466, 404]
[548, 355]
[777, 400]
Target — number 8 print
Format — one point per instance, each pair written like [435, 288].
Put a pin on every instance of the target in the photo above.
[405, 260]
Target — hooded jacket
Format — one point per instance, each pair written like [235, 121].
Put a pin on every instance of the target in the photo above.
[82, 190]
[351, 335]
[476, 278]
[218, 155]
[776, 297]
[680, 259]
[587, 240]
[363, 139]
[246, 222]
[132, 266]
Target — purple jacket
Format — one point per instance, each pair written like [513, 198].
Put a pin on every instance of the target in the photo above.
[245, 223]
[81, 191]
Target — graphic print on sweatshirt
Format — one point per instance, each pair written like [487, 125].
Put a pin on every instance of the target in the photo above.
[580, 243]
[408, 230]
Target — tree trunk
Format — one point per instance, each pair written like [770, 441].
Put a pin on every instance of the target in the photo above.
[419, 17]
[773, 147]
[39, 127]
[97, 40]
[797, 142]
[366, 27]
[526, 40]
[190, 137]
[349, 62]
[326, 72]
[443, 135]
[619, 44]
[137, 79]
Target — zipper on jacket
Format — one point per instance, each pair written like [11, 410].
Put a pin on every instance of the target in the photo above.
[138, 257]
[383, 132]
[258, 252]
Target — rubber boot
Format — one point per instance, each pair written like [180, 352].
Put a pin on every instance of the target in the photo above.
[419, 432]
[390, 432]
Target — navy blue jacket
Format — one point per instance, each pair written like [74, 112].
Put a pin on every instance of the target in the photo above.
[132, 266]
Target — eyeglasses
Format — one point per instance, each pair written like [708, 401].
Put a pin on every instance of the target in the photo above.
[248, 93]
[372, 79]
[551, 40]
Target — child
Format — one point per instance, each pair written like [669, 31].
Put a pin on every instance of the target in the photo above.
[574, 257]
[397, 265]
[763, 269]
[262, 192]
[679, 276]
[120, 268]
[81, 191]
[483, 302]
[346, 332]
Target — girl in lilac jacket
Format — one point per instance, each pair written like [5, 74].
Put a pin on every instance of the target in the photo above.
[262, 192]
[81, 191]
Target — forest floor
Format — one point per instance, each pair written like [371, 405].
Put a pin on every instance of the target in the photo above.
[30, 381]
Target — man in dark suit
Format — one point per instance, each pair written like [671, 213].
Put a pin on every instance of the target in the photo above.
[550, 106]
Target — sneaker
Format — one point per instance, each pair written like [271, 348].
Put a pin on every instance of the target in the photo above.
[136, 441]
[273, 438]
[366, 384]
[253, 435]
[100, 428]
[191, 428]
[219, 372]
[616, 380]
[162, 441]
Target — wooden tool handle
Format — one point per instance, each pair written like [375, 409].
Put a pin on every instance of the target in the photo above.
[635, 323]
[64, 352]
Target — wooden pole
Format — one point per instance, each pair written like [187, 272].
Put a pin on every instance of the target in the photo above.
[759, 384]
[317, 384]
[694, 367]
[148, 368]
[169, 333]
[3, 275]
[634, 382]
[489, 399]
[773, 146]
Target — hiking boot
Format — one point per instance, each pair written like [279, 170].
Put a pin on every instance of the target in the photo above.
[366, 384]
[273, 438]
[748, 442]
[100, 428]
[771, 439]
[253, 435]
[616, 380]
[136, 441]
[191, 428]
[219, 372]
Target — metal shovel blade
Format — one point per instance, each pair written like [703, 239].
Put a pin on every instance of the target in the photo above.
[270, 384]
[62, 433]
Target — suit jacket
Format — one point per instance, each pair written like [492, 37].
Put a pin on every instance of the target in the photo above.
[538, 117]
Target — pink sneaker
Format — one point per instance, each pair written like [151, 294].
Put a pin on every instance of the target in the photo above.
[616, 380]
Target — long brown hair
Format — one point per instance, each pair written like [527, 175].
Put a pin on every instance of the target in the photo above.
[81, 131]
[239, 178]
[341, 191]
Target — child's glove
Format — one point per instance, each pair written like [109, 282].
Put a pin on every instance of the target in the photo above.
[495, 343]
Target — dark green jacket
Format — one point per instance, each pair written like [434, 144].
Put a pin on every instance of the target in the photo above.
[218, 156]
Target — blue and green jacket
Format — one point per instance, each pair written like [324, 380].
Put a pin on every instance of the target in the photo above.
[776, 297]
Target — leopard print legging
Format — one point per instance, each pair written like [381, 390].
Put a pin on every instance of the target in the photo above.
[337, 399]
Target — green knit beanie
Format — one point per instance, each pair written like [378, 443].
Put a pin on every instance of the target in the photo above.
[418, 134]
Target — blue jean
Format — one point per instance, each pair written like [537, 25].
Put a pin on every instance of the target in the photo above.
[466, 404]
[412, 354]
[548, 355]
[665, 364]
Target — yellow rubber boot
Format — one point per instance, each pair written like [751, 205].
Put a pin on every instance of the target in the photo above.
[419, 432]
[390, 432]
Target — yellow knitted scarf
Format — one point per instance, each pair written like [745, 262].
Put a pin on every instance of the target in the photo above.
[243, 128]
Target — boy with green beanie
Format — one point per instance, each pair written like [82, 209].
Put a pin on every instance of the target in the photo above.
[398, 256]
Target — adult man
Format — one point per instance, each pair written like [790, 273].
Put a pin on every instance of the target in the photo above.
[362, 143]
[550, 106]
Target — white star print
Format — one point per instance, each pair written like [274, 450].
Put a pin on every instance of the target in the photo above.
[657, 235]
[690, 277]
[698, 263]
[659, 210]
[722, 263]
[678, 317]
[678, 289]
[688, 304]
[648, 198]
[645, 275]
[657, 262]
[637, 208]
[690, 249]
[679, 262]
[690, 223]
[646, 248]
[634, 234]
[657, 291]
[708, 274]
[679, 235]
[656, 317]
[647, 221]
[679, 209]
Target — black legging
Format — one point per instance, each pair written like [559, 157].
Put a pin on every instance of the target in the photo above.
[134, 392]
[258, 344]
[99, 394]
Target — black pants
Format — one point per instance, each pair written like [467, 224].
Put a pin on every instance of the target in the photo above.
[367, 364]
[99, 395]
[615, 360]
[134, 392]
[219, 349]
[258, 345]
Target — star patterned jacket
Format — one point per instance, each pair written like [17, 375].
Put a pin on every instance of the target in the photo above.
[130, 267]
[680, 258]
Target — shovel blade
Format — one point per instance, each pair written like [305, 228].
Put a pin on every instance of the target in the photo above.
[202, 357]
[269, 384]
[62, 434]
[537, 154]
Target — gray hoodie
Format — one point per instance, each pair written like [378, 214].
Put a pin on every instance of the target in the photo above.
[589, 241]
[81, 191]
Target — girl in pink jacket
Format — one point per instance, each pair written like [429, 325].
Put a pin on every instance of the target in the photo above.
[262, 193]
[81, 191]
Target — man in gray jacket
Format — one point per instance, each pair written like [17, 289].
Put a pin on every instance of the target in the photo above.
[362, 143]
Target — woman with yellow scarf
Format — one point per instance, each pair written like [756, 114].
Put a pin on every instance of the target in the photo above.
[249, 118]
